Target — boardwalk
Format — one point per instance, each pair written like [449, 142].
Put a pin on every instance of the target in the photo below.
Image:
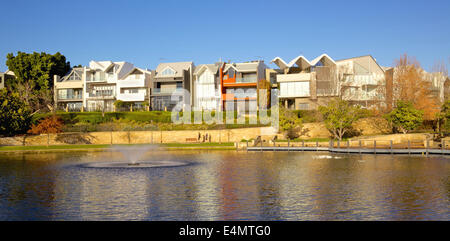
[423, 151]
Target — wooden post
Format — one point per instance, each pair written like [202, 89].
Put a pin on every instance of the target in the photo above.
[390, 142]
[426, 148]
[348, 146]
[409, 147]
[261, 143]
[339, 144]
[303, 143]
[247, 146]
[442, 146]
[375, 147]
[317, 146]
[289, 144]
[360, 147]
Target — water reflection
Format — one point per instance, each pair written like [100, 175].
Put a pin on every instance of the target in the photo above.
[225, 186]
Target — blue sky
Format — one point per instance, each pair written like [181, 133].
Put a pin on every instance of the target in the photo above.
[149, 32]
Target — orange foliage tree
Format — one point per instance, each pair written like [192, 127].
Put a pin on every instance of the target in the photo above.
[49, 125]
[411, 85]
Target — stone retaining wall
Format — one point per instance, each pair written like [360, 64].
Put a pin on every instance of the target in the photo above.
[140, 137]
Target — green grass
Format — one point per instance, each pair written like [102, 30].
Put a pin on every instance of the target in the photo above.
[91, 146]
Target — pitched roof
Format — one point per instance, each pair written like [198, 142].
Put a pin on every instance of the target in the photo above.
[144, 71]
[211, 67]
[178, 67]
[362, 57]
[77, 71]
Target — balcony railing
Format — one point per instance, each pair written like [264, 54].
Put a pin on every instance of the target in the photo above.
[251, 79]
[70, 97]
[100, 95]
[167, 91]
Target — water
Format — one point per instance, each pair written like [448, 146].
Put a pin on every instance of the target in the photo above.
[225, 185]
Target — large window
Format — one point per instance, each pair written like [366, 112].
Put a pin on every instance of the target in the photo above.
[168, 71]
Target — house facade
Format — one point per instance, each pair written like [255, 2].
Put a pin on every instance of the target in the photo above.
[364, 82]
[206, 94]
[68, 90]
[169, 84]
[304, 84]
[97, 87]
[239, 84]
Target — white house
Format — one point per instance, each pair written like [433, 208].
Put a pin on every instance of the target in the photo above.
[207, 87]
[98, 86]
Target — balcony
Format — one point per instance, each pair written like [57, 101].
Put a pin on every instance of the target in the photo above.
[167, 91]
[131, 83]
[245, 80]
[131, 97]
[100, 95]
[70, 97]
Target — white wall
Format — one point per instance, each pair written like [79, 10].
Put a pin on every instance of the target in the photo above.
[294, 89]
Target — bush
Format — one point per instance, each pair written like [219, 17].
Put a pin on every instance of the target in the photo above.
[405, 117]
[48, 125]
[15, 116]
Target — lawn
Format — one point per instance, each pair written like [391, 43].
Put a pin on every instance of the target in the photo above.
[71, 147]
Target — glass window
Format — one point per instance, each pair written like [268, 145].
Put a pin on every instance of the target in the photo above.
[168, 71]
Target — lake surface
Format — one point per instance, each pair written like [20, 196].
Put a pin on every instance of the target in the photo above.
[225, 185]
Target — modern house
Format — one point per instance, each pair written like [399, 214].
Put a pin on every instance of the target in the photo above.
[97, 87]
[206, 92]
[4, 76]
[168, 83]
[239, 84]
[101, 78]
[364, 82]
[68, 90]
[134, 88]
[304, 84]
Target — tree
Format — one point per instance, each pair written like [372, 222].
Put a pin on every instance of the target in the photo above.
[15, 116]
[339, 116]
[290, 123]
[411, 85]
[405, 117]
[49, 125]
[444, 115]
[34, 76]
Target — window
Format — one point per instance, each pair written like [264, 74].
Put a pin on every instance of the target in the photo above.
[303, 106]
[231, 73]
[168, 71]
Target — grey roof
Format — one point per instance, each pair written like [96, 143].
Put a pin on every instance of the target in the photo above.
[179, 67]
[212, 67]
